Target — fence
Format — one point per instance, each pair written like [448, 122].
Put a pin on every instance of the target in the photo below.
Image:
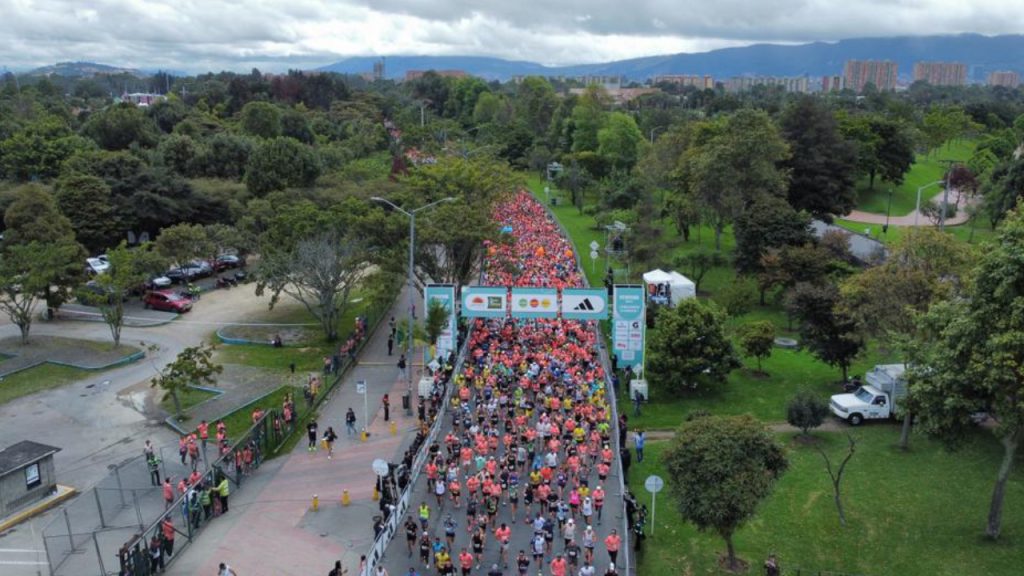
[109, 529]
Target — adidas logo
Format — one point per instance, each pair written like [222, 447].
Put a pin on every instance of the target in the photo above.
[584, 306]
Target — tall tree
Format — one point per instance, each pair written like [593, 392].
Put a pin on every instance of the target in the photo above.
[118, 127]
[822, 163]
[620, 141]
[182, 243]
[720, 469]
[261, 119]
[86, 202]
[129, 269]
[826, 328]
[976, 362]
[690, 348]
[757, 339]
[732, 162]
[281, 163]
[26, 274]
[769, 222]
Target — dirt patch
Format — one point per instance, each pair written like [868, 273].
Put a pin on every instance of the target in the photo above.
[741, 567]
[87, 354]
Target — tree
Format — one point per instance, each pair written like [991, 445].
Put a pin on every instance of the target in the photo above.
[588, 118]
[620, 141]
[319, 271]
[118, 127]
[974, 362]
[261, 119]
[225, 155]
[193, 366]
[178, 153]
[26, 274]
[837, 475]
[806, 410]
[281, 163]
[829, 331]
[699, 262]
[769, 222]
[884, 147]
[720, 469]
[732, 162]
[182, 243]
[38, 149]
[86, 202]
[757, 339]
[1004, 189]
[129, 269]
[436, 320]
[535, 103]
[822, 163]
[690, 347]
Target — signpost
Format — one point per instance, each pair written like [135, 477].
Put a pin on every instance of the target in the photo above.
[594, 247]
[653, 484]
[361, 389]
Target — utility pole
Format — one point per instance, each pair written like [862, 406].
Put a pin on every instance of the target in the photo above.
[945, 193]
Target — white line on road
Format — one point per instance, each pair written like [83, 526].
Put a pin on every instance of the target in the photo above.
[19, 550]
[21, 563]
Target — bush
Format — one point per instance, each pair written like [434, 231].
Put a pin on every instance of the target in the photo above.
[806, 410]
[739, 297]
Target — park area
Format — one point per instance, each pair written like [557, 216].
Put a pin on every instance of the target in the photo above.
[918, 512]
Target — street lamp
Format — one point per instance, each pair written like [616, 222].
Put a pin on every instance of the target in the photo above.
[412, 291]
[917, 212]
[655, 129]
[888, 209]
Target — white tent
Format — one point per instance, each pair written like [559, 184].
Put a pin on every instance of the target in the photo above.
[668, 288]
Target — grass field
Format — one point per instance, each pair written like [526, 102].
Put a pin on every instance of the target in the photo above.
[39, 378]
[982, 231]
[920, 513]
[927, 169]
[189, 398]
[241, 419]
[746, 392]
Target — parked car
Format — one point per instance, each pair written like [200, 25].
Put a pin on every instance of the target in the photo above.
[158, 282]
[97, 265]
[189, 272]
[225, 261]
[202, 268]
[92, 289]
[167, 300]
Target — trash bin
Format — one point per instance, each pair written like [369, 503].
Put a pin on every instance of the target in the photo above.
[406, 405]
[554, 201]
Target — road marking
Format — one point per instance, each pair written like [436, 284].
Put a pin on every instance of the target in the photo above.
[22, 563]
[19, 550]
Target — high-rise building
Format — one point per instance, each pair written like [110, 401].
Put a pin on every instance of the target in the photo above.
[941, 73]
[1004, 78]
[859, 73]
[832, 83]
[797, 84]
[378, 70]
[701, 82]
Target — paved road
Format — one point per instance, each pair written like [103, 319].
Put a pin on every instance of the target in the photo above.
[908, 220]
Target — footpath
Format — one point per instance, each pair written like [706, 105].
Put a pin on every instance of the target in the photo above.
[272, 528]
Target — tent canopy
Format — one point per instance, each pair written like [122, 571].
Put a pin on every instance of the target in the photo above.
[668, 288]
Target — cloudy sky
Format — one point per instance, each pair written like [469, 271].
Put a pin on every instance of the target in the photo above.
[200, 35]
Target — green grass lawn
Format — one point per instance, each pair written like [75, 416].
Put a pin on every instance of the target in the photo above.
[241, 419]
[920, 513]
[39, 378]
[189, 398]
[962, 232]
[747, 392]
[927, 169]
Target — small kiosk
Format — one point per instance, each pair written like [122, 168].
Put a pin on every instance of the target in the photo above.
[26, 475]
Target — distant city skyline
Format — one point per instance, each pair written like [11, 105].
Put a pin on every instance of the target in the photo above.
[277, 35]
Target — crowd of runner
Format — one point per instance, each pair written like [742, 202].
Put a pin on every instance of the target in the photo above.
[531, 432]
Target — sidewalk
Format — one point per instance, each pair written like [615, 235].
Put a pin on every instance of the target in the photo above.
[271, 528]
[908, 220]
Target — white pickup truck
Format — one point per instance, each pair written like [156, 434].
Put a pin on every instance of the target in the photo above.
[874, 400]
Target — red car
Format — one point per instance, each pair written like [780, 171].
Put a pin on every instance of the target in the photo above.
[167, 300]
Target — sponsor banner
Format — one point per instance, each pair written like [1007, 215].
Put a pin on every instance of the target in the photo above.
[584, 304]
[534, 303]
[445, 294]
[484, 301]
[629, 326]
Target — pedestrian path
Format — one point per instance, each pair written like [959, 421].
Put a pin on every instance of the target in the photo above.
[911, 219]
[272, 528]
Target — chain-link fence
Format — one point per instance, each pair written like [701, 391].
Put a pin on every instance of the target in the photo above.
[111, 528]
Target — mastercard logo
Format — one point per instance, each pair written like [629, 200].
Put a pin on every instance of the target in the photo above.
[534, 303]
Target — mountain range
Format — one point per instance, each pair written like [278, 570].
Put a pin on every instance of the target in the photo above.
[982, 54]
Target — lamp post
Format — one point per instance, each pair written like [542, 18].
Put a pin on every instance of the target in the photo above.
[653, 130]
[917, 212]
[888, 209]
[412, 291]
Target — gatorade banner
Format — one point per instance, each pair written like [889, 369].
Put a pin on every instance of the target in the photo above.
[584, 304]
[534, 303]
[484, 301]
[629, 325]
[444, 294]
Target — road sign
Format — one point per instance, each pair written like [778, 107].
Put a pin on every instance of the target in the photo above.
[653, 484]
[361, 387]
[380, 467]
[593, 254]
[594, 245]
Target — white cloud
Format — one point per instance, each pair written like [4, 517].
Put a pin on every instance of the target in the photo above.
[212, 34]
